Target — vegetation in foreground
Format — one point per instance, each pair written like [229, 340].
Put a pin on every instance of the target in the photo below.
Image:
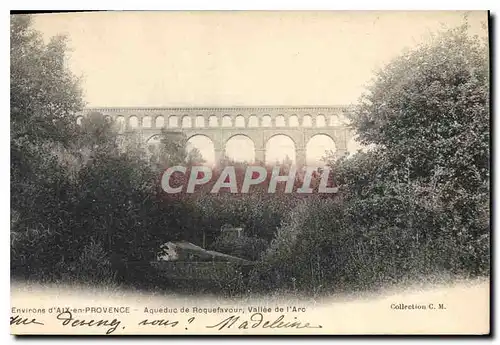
[86, 205]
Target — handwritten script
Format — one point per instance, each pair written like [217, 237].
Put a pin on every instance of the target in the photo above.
[19, 320]
[235, 321]
[67, 320]
[257, 320]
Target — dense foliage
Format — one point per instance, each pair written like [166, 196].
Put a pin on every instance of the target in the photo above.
[87, 204]
[417, 203]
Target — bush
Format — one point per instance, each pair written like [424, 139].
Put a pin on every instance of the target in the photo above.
[87, 208]
[245, 247]
[386, 232]
[93, 266]
[308, 250]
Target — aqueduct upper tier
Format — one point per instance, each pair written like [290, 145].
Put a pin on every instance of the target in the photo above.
[219, 124]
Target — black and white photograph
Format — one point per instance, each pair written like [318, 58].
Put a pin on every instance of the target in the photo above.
[250, 173]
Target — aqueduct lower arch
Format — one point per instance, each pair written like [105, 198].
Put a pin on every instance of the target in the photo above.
[221, 123]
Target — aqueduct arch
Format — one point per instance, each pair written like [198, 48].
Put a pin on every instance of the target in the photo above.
[283, 146]
[219, 124]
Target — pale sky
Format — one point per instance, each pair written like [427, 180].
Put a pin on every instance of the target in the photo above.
[238, 58]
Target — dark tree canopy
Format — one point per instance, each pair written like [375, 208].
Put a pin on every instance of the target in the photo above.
[44, 94]
[429, 108]
[87, 204]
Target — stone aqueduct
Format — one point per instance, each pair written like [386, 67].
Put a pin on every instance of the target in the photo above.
[220, 124]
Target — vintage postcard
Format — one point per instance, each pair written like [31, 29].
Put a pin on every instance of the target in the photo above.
[250, 173]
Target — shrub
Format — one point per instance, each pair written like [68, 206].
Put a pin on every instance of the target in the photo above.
[245, 247]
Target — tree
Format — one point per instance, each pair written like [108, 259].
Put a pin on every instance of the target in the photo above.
[429, 110]
[194, 157]
[424, 188]
[44, 94]
[173, 149]
[96, 132]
